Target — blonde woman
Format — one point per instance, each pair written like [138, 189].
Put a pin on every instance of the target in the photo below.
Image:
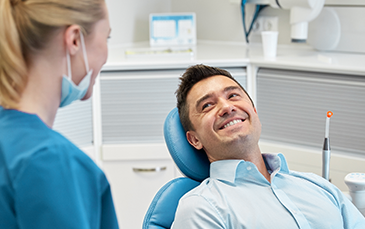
[50, 53]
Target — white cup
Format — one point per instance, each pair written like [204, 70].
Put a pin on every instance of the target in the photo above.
[269, 43]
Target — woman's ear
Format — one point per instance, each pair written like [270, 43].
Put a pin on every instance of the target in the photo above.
[194, 140]
[72, 39]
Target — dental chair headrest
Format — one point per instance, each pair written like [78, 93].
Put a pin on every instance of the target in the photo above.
[192, 163]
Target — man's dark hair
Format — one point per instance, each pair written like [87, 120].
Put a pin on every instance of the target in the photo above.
[193, 75]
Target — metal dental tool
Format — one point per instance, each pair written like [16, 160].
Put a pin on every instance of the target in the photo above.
[326, 154]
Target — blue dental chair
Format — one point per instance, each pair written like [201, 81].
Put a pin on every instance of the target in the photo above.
[191, 162]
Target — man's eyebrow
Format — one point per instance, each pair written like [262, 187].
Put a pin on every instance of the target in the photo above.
[207, 96]
[231, 88]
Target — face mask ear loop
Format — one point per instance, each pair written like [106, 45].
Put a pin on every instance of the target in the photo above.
[84, 52]
[68, 64]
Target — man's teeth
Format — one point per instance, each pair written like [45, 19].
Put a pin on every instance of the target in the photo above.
[232, 123]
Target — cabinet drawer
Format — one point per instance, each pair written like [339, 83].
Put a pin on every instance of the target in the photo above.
[134, 183]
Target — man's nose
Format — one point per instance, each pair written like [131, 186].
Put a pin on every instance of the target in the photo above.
[225, 107]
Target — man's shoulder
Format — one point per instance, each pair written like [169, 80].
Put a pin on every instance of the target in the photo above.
[206, 190]
[317, 181]
[196, 205]
[310, 177]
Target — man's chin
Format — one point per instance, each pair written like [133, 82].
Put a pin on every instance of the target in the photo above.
[236, 139]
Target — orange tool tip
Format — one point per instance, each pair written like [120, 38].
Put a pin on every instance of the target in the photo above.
[329, 114]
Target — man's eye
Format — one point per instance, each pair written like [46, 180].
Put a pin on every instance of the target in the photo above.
[206, 105]
[233, 95]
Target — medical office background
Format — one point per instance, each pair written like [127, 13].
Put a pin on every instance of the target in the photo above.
[121, 126]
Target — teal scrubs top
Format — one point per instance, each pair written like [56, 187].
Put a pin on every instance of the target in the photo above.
[46, 181]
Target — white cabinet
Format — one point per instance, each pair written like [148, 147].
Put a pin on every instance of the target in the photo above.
[75, 122]
[136, 172]
[134, 183]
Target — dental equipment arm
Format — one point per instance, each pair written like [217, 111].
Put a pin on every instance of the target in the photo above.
[301, 12]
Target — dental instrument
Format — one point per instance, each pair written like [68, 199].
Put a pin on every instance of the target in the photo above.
[326, 154]
[354, 181]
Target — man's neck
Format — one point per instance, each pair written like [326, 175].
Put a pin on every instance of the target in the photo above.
[258, 160]
[251, 154]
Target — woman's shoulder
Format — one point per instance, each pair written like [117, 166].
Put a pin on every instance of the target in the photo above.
[26, 141]
[23, 132]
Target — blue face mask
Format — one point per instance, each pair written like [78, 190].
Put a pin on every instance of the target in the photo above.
[70, 91]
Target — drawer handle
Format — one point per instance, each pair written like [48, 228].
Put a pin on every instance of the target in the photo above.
[157, 169]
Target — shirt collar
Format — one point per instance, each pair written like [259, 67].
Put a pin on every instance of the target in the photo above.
[229, 170]
[276, 162]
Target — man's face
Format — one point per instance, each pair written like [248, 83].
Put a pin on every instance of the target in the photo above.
[225, 121]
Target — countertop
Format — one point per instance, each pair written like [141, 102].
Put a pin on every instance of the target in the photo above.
[300, 57]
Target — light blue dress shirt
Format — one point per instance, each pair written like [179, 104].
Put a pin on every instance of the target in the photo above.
[46, 182]
[237, 195]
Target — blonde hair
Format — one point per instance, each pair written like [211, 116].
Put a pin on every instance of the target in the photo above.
[26, 26]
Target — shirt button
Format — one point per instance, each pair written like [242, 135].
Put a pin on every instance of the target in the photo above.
[249, 168]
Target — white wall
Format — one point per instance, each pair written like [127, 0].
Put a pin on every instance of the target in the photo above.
[220, 20]
[217, 20]
[129, 19]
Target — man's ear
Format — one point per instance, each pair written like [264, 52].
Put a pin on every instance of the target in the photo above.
[193, 140]
[72, 39]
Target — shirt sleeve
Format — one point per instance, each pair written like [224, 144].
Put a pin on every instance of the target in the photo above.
[352, 218]
[57, 191]
[195, 212]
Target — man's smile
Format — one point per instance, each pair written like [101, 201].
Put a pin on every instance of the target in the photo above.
[231, 123]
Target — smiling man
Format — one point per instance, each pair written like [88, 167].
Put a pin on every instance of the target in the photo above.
[247, 189]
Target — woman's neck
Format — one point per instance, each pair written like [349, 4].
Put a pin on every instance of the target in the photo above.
[43, 91]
